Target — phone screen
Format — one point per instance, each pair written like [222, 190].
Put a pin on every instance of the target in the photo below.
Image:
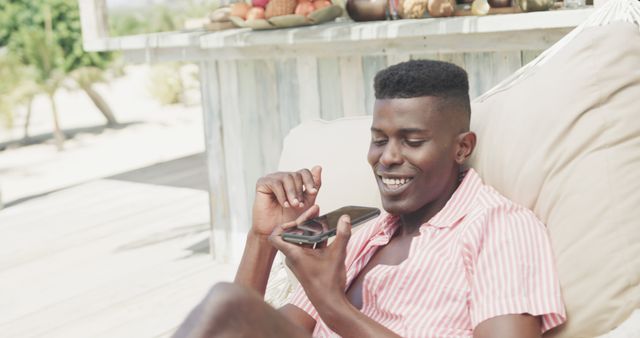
[328, 222]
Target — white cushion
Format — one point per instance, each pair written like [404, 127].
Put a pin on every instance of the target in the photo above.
[565, 142]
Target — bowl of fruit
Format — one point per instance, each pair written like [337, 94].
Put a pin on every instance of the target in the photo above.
[272, 14]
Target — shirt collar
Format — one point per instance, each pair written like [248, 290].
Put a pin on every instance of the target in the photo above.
[459, 205]
[387, 224]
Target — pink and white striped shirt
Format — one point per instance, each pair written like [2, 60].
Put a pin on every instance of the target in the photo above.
[481, 256]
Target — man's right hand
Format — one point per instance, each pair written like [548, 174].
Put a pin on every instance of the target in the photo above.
[283, 196]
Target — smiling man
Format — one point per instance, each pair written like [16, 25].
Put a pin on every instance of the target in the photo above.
[450, 257]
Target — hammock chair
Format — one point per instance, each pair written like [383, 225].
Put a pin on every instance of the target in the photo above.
[623, 319]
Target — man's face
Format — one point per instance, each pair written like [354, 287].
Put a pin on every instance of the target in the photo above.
[412, 153]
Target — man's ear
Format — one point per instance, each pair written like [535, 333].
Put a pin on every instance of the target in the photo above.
[465, 143]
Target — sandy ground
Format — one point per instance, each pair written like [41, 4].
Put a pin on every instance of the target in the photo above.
[153, 133]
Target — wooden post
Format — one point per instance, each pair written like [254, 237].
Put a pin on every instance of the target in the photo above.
[93, 19]
[220, 240]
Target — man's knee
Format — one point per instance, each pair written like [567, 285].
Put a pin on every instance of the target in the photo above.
[230, 297]
[220, 314]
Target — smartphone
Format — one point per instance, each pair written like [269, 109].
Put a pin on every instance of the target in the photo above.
[319, 229]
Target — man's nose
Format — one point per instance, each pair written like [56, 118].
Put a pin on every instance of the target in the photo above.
[391, 154]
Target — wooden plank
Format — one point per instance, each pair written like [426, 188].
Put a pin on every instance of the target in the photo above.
[234, 158]
[504, 64]
[185, 172]
[269, 131]
[159, 309]
[102, 299]
[214, 143]
[330, 88]
[309, 99]
[371, 65]
[144, 247]
[425, 56]
[492, 11]
[153, 206]
[134, 320]
[395, 58]
[455, 58]
[289, 94]
[29, 243]
[477, 66]
[16, 215]
[250, 106]
[352, 84]
[458, 34]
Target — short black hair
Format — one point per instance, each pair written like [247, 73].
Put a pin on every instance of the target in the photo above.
[417, 78]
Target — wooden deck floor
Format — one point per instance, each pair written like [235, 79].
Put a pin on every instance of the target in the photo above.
[109, 258]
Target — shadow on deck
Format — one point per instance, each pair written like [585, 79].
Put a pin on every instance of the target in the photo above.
[186, 172]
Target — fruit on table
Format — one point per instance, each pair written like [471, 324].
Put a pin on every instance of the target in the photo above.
[480, 7]
[440, 8]
[412, 9]
[255, 13]
[367, 10]
[260, 3]
[304, 7]
[280, 7]
[240, 9]
[318, 4]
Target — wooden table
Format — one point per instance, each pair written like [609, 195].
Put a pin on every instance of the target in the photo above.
[257, 85]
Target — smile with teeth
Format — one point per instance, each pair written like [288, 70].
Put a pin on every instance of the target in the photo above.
[395, 182]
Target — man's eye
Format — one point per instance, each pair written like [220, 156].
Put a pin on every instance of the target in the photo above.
[379, 142]
[414, 143]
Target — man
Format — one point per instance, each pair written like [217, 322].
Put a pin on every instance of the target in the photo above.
[449, 258]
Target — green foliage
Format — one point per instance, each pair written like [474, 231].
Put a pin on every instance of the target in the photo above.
[127, 23]
[16, 88]
[45, 37]
[10, 79]
[45, 57]
[18, 15]
[157, 18]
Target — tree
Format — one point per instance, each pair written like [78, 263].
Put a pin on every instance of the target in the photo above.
[85, 78]
[18, 88]
[8, 73]
[16, 16]
[40, 51]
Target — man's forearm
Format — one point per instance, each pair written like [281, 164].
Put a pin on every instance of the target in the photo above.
[256, 262]
[347, 321]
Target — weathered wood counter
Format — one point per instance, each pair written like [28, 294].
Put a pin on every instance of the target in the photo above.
[257, 85]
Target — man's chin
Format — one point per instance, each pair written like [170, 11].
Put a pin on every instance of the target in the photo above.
[396, 208]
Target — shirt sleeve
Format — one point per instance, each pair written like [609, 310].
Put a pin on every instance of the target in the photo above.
[511, 269]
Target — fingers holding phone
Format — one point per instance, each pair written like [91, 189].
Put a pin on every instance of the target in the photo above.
[318, 229]
[320, 270]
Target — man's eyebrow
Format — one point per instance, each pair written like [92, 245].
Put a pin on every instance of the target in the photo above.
[404, 130]
[413, 130]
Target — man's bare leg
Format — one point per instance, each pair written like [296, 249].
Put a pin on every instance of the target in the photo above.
[230, 310]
